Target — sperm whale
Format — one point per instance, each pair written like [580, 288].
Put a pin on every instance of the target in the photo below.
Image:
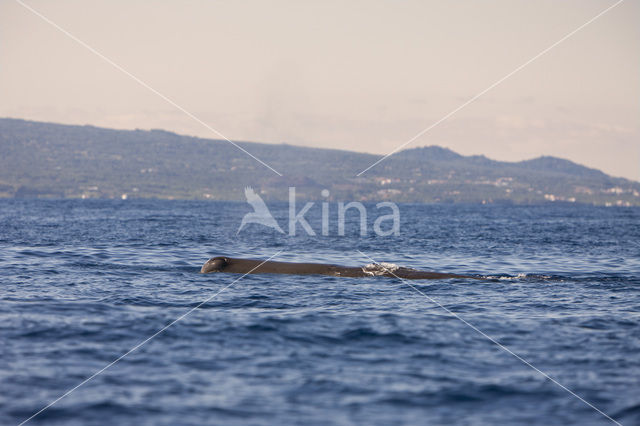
[255, 266]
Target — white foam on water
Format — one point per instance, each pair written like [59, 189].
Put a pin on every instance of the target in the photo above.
[505, 278]
[520, 276]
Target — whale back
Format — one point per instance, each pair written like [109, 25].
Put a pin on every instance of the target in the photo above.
[255, 266]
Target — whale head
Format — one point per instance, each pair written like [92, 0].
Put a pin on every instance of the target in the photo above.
[215, 264]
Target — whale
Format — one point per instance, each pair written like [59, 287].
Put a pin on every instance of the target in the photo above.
[256, 266]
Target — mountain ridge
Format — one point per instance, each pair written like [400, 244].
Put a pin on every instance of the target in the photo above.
[70, 161]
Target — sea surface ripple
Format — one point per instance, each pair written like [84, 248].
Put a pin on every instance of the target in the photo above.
[84, 281]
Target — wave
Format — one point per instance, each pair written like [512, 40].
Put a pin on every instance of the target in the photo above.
[523, 277]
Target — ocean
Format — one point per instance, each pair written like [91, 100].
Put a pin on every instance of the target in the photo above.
[551, 336]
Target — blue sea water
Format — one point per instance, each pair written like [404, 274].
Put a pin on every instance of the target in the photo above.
[85, 281]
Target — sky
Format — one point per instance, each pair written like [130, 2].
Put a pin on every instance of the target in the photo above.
[365, 76]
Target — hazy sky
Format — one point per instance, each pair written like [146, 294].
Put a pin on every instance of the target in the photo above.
[364, 76]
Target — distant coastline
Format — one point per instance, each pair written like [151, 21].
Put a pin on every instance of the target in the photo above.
[48, 160]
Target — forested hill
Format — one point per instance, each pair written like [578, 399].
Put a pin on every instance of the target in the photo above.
[61, 161]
